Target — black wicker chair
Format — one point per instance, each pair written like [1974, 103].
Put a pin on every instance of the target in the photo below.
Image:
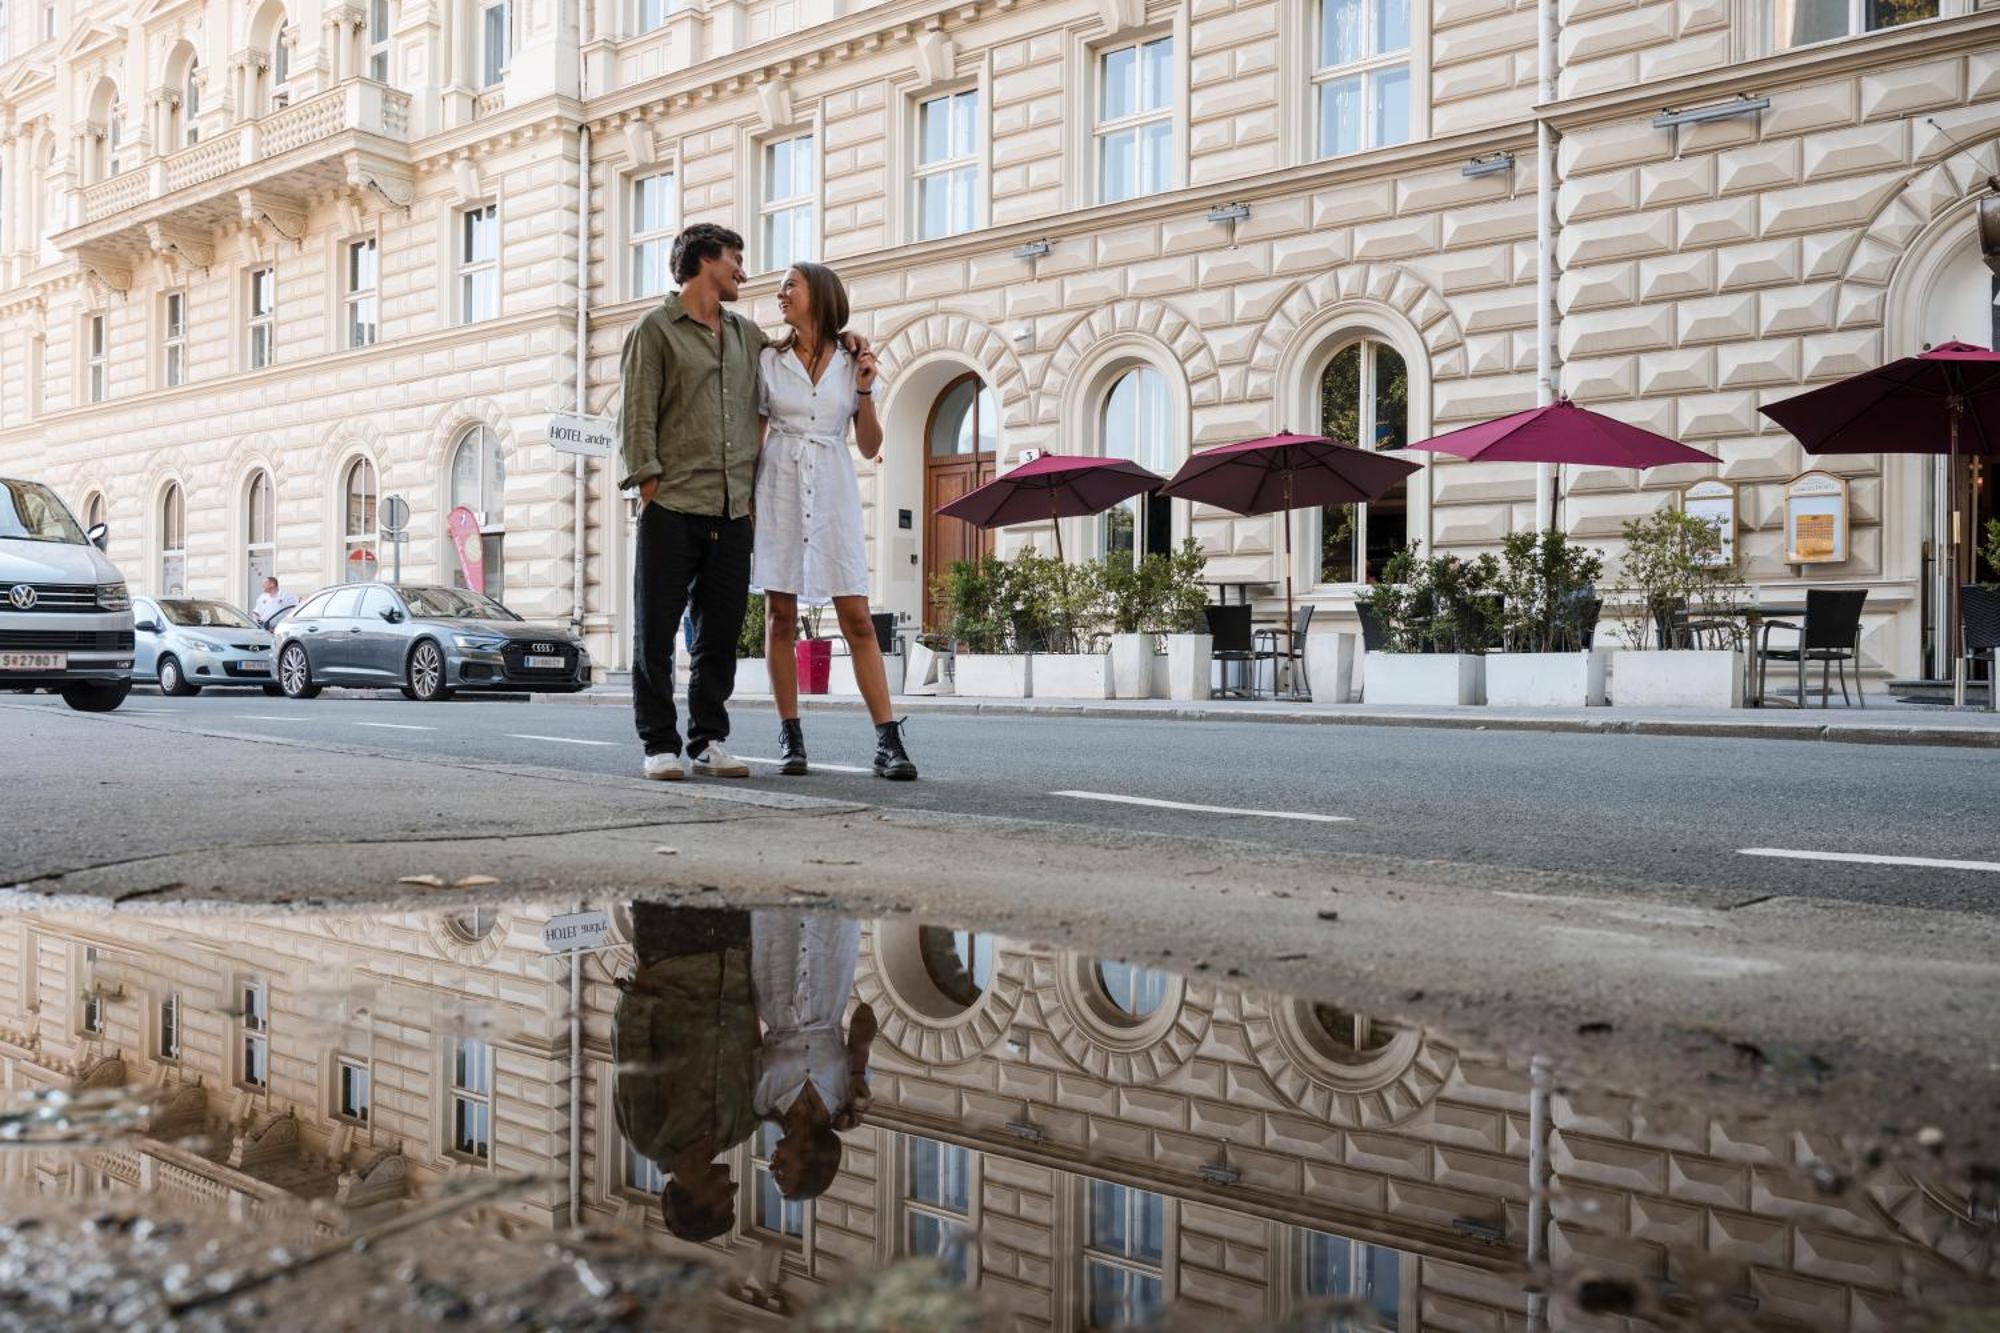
[1979, 626]
[1231, 641]
[1830, 635]
[1291, 649]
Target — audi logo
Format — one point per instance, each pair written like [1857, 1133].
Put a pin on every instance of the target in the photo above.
[543, 648]
[22, 596]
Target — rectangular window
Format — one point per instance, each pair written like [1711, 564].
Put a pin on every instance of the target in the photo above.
[49, 21]
[100, 367]
[353, 1103]
[948, 165]
[1124, 1256]
[653, 13]
[91, 1021]
[1804, 22]
[263, 311]
[774, 1213]
[377, 46]
[472, 1098]
[362, 282]
[170, 1027]
[1362, 75]
[1135, 120]
[1337, 1268]
[173, 345]
[642, 1173]
[494, 36]
[478, 264]
[253, 1025]
[653, 209]
[791, 171]
[938, 1202]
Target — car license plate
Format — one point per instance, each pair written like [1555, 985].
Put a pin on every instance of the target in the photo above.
[34, 661]
[544, 663]
[254, 668]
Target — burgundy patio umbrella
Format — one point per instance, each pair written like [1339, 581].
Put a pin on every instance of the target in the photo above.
[1053, 486]
[1284, 472]
[1944, 401]
[1563, 433]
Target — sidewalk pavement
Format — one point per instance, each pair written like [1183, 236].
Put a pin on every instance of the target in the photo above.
[1884, 722]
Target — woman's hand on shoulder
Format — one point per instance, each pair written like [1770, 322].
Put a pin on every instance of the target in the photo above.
[864, 372]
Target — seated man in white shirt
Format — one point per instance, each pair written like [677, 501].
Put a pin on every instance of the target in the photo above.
[271, 603]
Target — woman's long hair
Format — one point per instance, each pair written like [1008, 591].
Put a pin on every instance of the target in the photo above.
[827, 296]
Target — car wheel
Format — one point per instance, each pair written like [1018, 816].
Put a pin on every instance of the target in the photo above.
[295, 674]
[424, 677]
[174, 681]
[93, 696]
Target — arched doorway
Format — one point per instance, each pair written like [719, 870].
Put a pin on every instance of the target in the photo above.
[1136, 422]
[1364, 399]
[960, 445]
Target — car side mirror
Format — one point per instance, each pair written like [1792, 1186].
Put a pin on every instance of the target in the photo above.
[149, 626]
[392, 615]
[99, 534]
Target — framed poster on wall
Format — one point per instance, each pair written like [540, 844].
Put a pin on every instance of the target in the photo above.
[1816, 519]
[1714, 502]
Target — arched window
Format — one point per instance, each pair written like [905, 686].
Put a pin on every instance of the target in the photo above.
[114, 144]
[358, 562]
[1137, 423]
[959, 962]
[173, 542]
[1137, 992]
[183, 77]
[93, 510]
[479, 483]
[106, 129]
[53, 217]
[281, 67]
[962, 442]
[260, 548]
[1364, 396]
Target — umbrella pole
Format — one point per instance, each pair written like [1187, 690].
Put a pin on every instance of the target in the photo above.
[1954, 409]
[1055, 518]
[1288, 587]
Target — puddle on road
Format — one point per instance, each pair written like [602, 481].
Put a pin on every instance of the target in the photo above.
[205, 1114]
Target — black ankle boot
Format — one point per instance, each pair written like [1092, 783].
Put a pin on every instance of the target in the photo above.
[791, 747]
[891, 760]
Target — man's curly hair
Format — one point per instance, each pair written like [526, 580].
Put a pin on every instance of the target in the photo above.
[702, 241]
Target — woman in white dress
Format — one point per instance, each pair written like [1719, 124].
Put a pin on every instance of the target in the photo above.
[809, 539]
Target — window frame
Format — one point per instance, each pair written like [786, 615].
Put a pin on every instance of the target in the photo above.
[1140, 506]
[468, 271]
[262, 322]
[172, 514]
[1366, 339]
[953, 164]
[343, 1066]
[770, 208]
[171, 1029]
[493, 73]
[661, 236]
[1169, 112]
[253, 1032]
[461, 1097]
[1407, 1293]
[281, 69]
[90, 1018]
[1857, 17]
[908, 1206]
[665, 10]
[382, 48]
[1364, 68]
[753, 1180]
[354, 297]
[1087, 1254]
[369, 539]
[173, 338]
[97, 356]
[254, 549]
[492, 509]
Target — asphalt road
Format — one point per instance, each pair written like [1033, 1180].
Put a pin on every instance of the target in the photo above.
[1673, 813]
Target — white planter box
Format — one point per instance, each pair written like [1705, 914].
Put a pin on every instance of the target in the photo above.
[1190, 658]
[1132, 666]
[1687, 678]
[1547, 680]
[840, 680]
[1425, 678]
[1330, 666]
[1162, 685]
[753, 675]
[991, 675]
[1072, 676]
[928, 672]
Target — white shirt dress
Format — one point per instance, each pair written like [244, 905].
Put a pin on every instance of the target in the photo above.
[809, 539]
[802, 970]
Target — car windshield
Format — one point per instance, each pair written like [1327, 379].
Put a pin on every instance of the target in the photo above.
[30, 512]
[203, 615]
[454, 604]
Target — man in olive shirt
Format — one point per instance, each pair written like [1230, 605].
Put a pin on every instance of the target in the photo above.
[690, 440]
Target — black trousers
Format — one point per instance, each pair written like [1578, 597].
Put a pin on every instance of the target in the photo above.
[683, 559]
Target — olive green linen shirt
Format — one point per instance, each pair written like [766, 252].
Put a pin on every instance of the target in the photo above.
[689, 412]
[685, 1039]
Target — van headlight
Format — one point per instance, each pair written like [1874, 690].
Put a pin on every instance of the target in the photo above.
[113, 597]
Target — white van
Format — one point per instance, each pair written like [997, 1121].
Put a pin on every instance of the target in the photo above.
[65, 617]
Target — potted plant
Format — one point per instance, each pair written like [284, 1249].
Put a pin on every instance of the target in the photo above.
[1440, 614]
[1549, 608]
[977, 600]
[1057, 609]
[753, 675]
[1134, 592]
[1182, 621]
[1679, 594]
[814, 654]
[1979, 611]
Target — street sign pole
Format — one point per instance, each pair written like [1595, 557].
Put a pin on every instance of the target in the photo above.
[396, 530]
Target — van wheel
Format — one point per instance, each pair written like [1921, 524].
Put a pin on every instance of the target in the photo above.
[95, 696]
[174, 681]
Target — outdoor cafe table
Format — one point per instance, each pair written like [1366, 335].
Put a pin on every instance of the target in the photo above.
[1754, 618]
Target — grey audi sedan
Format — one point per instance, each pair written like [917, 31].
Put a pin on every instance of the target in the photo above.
[430, 641]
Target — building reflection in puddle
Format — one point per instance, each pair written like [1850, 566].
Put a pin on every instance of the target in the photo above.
[1083, 1142]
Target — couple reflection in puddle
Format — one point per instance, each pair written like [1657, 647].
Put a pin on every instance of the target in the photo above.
[731, 1020]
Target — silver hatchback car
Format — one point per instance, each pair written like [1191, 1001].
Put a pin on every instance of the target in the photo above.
[184, 643]
[429, 641]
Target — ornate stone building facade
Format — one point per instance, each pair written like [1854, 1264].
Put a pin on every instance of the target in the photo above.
[1080, 1141]
[330, 253]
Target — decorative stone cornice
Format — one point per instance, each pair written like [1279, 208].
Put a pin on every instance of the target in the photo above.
[261, 210]
[185, 248]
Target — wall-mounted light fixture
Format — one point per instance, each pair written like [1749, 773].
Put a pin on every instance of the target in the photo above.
[1032, 250]
[1488, 164]
[1744, 105]
[1229, 213]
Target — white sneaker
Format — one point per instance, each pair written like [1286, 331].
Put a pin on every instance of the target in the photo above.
[716, 762]
[665, 767]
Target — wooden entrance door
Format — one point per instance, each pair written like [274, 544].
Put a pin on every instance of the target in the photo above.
[960, 446]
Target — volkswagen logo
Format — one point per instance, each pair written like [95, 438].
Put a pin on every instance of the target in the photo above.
[543, 648]
[22, 596]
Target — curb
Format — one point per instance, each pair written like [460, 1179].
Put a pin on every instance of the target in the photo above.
[1971, 738]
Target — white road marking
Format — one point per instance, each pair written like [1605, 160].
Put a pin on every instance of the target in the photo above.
[395, 726]
[1204, 809]
[275, 717]
[557, 740]
[1865, 859]
[815, 764]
